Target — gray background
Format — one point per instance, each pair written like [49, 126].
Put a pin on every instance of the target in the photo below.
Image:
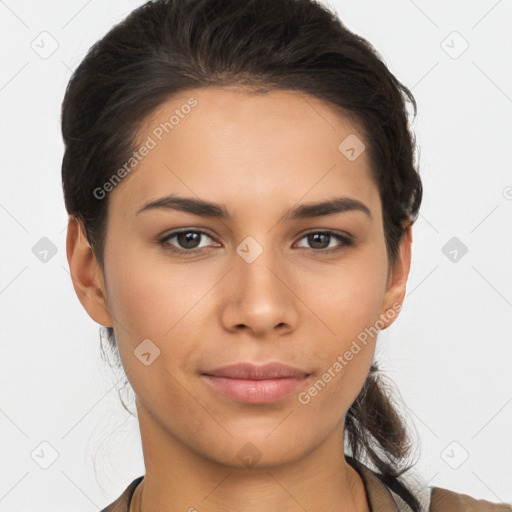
[449, 352]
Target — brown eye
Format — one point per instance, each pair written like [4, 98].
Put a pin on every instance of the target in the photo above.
[322, 241]
[185, 241]
[189, 241]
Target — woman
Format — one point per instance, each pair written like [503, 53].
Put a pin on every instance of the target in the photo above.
[241, 189]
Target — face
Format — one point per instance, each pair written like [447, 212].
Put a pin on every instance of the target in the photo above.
[188, 291]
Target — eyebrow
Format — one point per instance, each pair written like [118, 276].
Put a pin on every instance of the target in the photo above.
[209, 209]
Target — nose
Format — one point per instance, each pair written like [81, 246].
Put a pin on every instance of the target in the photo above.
[259, 297]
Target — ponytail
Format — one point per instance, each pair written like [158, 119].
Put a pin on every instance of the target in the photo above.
[375, 430]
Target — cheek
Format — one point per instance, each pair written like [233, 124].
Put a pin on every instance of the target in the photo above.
[351, 310]
[161, 302]
[152, 303]
[348, 296]
[149, 297]
[348, 300]
[334, 389]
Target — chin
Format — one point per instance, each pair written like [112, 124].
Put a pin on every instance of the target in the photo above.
[257, 451]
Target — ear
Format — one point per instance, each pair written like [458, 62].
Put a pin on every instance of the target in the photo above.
[86, 273]
[397, 279]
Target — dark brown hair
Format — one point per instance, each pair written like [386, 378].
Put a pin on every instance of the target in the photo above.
[166, 47]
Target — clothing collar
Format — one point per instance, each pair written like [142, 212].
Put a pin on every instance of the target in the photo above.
[379, 496]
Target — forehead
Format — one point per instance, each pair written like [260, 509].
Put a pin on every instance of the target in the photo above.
[234, 145]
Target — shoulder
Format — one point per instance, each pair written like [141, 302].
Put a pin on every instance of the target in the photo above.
[122, 503]
[443, 500]
[381, 497]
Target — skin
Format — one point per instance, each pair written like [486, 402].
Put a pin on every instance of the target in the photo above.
[259, 155]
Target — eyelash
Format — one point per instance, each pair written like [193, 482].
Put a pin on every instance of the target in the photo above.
[346, 241]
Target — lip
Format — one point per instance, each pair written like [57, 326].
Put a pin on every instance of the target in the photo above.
[256, 384]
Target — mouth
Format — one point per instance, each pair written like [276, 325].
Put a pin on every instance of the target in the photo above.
[250, 383]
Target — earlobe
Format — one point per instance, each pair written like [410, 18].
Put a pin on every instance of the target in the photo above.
[86, 273]
[397, 279]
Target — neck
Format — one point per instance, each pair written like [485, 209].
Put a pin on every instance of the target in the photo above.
[177, 478]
